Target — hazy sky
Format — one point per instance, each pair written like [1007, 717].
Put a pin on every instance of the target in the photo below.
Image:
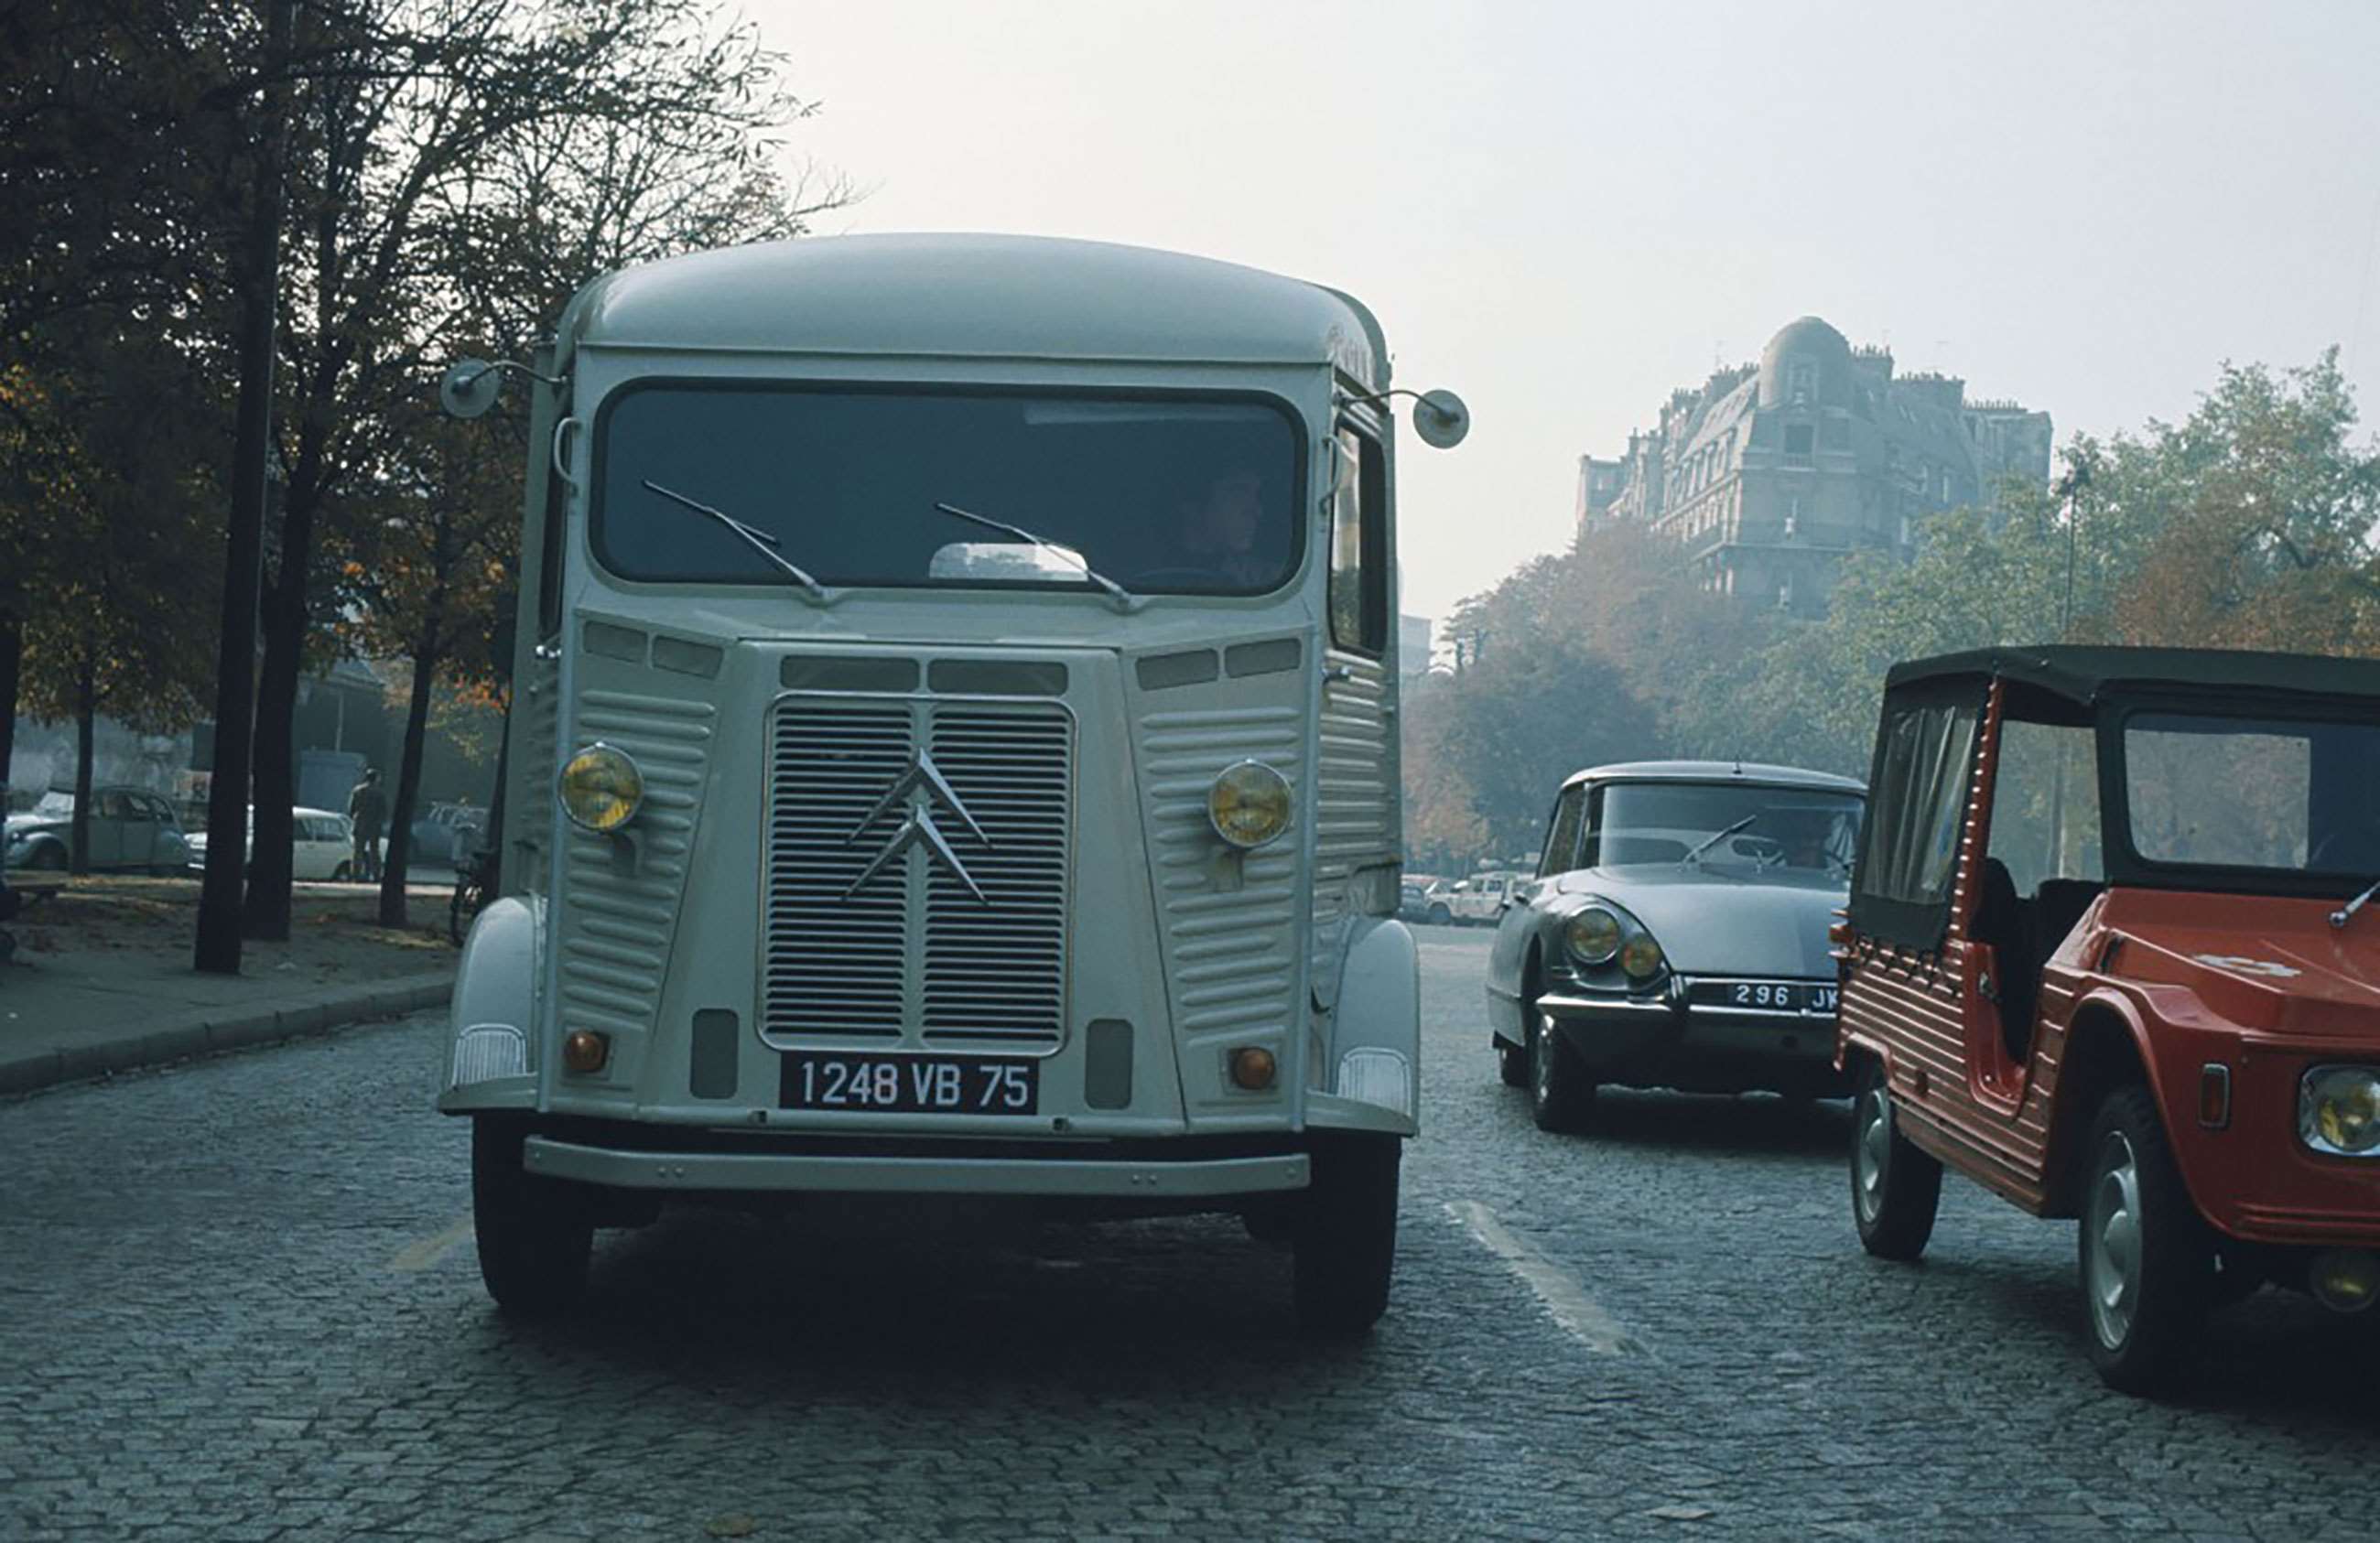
[1563, 211]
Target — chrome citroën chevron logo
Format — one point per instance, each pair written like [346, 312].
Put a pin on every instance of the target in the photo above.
[920, 786]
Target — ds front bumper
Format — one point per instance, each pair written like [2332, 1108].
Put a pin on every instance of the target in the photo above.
[1667, 1041]
[843, 1173]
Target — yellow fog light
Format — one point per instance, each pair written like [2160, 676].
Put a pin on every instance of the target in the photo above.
[1253, 1069]
[583, 1049]
[2345, 1280]
[600, 788]
[1250, 804]
[1641, 957]
[1593, 936]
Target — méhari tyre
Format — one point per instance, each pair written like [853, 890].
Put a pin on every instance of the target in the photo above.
[1346, 1242]
[2143, 1256]
[1895, 1187]
[535, 1235]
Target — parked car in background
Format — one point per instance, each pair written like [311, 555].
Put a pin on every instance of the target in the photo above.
[131, 828]
[321, 845]
[445, 833]
[1413, 900]
[1675, 936]
[1478, 900]
[2113, 954]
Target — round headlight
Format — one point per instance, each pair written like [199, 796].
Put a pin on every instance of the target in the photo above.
[600, 788]
[2338, 1110]
[1250, 804]
[1641, 957]
[1593, 936]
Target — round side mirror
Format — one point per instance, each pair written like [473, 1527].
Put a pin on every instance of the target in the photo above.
[469, 388]
[1440, 419]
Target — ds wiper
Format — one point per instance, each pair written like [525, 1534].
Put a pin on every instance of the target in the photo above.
[1124, 598]
[757, 540]
[1719, 836]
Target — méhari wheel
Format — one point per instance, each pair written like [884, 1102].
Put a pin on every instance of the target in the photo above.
[535, 1236]
[1561, 1096]
[2144, 1258]
[1895, 1187]
[1346, 1242]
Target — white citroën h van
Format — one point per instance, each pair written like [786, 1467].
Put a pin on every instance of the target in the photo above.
[955, 752]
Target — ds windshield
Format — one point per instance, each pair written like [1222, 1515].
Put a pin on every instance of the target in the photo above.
[2289, 794]
[1163, 494]
[1748, 830]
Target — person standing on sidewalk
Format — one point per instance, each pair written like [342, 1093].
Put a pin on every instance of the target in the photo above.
[367, 810]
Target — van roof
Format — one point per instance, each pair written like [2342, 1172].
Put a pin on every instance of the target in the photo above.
[2085, 673]
[987, 296]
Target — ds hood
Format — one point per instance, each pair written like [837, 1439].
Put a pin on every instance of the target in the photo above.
[1714, 923]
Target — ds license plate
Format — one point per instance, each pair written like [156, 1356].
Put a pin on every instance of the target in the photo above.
[911, 1084]
[1773, 996]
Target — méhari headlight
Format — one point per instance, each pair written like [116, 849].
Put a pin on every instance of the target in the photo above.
[1250, 804]
[2338, 1110]
[600, 788]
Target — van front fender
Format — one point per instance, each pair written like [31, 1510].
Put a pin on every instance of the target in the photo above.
[1375, 1081]
[490, 1048]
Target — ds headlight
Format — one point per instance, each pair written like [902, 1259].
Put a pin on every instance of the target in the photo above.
[2338, 1110]
[1250, 804]
[1641, 957]
[600, 788]
[1593, 936]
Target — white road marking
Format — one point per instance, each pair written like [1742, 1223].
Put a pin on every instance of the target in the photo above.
[1580, 1316]
[422, 1253]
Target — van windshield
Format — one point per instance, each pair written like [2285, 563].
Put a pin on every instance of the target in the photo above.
[1163, 493]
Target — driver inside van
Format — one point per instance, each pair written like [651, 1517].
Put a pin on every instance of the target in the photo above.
[1220, 518]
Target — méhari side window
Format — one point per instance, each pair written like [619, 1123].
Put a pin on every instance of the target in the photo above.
[1359, 546]
[1918, 794]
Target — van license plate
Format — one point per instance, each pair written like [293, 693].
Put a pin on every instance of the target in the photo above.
[911, 1084]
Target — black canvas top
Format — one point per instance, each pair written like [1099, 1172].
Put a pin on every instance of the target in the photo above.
[2087, 675]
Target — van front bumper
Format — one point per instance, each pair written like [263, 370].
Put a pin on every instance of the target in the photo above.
[847, 1173]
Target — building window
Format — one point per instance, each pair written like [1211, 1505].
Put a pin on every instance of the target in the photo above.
[1797, 441]
[1801, 382]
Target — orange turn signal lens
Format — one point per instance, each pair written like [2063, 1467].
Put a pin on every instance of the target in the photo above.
[1253, 1069]
[2214, 1096]
[583, 1049]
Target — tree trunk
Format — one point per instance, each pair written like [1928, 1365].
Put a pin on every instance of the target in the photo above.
[12, 655]
[409, 785]
[86, 710]
[266, 915]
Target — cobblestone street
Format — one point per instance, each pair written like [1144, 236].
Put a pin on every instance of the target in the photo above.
[238, 1300]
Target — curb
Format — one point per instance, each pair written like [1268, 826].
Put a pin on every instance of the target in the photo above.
[218, 1030]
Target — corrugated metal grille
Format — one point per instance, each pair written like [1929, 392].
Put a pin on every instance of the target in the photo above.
[996, 968]
[913, 953]
[834, 965]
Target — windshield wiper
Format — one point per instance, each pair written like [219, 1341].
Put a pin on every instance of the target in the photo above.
[1719, 836]
[2346, 913]
[1124, 598]
[757, 540]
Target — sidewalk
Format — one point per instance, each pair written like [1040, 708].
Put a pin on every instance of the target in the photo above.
[102, 980]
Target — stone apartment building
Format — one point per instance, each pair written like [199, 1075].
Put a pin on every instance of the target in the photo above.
[1769, 475]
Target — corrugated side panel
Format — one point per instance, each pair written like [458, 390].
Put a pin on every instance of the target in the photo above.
[529, 826]
[1228, 951]
[1354, 782]
[995, 970]
[620, 913]
[1918, 1007]
[834, 965]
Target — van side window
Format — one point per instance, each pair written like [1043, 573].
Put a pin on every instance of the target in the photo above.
[1562, 837]
[1910, 852]
[1359, 546]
